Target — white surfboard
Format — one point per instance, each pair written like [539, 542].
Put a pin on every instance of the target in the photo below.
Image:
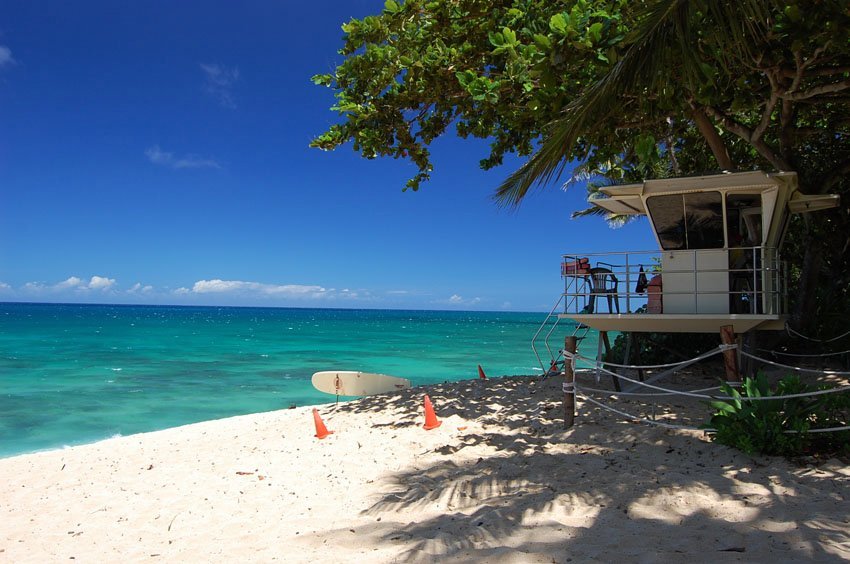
[350, 383]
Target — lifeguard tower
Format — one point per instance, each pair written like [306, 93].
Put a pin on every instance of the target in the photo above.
[718, 262]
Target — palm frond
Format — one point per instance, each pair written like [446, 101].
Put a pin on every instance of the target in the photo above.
[667, 37]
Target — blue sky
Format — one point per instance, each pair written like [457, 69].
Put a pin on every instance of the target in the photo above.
[157, 153]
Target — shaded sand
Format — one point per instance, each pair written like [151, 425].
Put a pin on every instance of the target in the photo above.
[499, 481]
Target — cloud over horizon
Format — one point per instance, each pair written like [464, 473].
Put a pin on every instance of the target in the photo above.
[219, 81]
[246, 289]
[457, 300]
[217, 286]
[137, 288]
[72, 283]
[165, 158]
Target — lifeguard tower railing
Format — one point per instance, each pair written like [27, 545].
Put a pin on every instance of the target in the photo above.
[643, 288]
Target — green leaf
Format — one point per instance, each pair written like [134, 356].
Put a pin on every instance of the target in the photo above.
[646, 148]
[723, 406]
[465, 77]
[322, 79]
[595, 32]
[558, 23]
[391, 7]
[351, 27]
[793, 12]
[542, 41]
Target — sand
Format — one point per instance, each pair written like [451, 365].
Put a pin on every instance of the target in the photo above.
[499, 481]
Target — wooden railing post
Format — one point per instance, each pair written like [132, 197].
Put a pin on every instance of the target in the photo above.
[730, 357]
[569, 382]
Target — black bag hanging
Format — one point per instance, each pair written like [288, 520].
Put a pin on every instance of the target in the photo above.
[642, 283]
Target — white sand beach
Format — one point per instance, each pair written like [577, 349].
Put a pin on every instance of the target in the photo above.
[498, 481]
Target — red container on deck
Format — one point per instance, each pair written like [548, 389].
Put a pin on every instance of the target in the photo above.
[572, 268]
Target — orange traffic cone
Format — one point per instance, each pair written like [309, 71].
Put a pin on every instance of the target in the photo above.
[321, 430]
[431, 421]
[481, 374]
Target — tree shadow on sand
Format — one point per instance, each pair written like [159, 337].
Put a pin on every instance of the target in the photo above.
[605, 488]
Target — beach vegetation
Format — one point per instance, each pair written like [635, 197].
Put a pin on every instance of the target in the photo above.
[659, 348]
[617, 91]
[782, 427]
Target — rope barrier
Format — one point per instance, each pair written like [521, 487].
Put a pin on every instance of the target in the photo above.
[724, 398]
[636, 418]
[600, 366]
[825, 430]
[797, 368]
[644, 394]
[703, 356]
[669, 391]
[792, 332]
[805, 355]
[631, 417]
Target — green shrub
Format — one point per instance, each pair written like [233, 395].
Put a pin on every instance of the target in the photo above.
[782, 426]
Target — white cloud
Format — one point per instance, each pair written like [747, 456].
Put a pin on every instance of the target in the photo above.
[6, 58]
[165, 158]
[217, 286]
[137, 288]
[456, 300]
[182, 291]
[33, 287]
[101, 283]
[70, 284]
[219, 81]
[5, 287]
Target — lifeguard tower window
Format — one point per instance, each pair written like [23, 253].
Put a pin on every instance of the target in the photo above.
[688, 221]
[743, 220]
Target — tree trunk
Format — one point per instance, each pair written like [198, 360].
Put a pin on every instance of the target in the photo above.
[803, 316]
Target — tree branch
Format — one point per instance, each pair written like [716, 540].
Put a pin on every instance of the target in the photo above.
[821, 71]
[816, 91]
[746, 134]
[765, 118]
[709, 133]
[787, 115]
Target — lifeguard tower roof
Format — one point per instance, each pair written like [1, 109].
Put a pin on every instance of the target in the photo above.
[779, 193]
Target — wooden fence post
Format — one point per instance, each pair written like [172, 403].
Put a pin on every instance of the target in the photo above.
[569, 382]
[730, 357]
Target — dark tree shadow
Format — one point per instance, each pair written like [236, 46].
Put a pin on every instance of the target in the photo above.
[540, 497]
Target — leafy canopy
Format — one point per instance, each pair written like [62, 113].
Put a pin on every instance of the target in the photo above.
[499, 70]
[628, 89]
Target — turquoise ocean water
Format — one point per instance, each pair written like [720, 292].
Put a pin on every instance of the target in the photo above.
[73, 374]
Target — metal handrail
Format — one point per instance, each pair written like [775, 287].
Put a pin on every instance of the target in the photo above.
[537, 334]
[763, 291]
